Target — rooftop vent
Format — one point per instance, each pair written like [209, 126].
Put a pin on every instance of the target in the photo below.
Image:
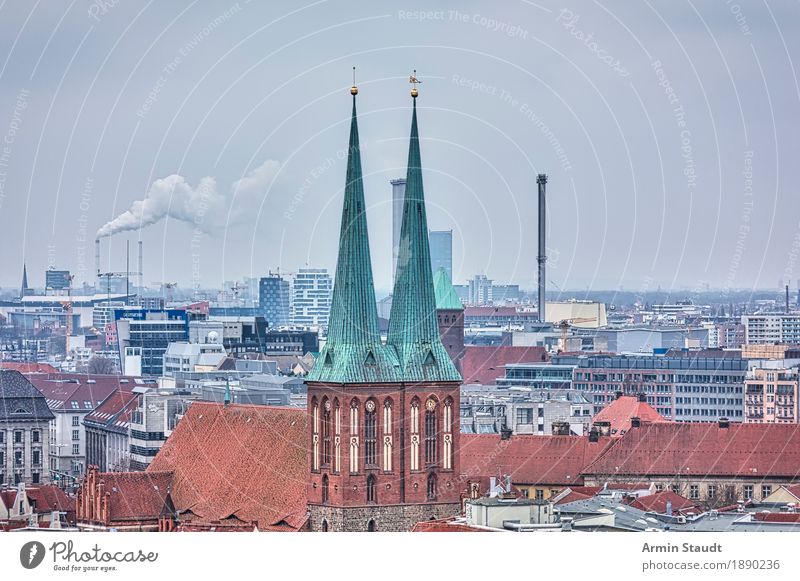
[724, 423]
[636, 422]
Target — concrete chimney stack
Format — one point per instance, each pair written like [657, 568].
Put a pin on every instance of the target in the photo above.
[541, 179]
[141, 268]
[97, 256]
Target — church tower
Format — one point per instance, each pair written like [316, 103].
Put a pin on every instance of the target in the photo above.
[384, 418]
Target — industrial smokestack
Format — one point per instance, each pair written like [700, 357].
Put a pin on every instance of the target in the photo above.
[787, 299]
[541, 179]
[141, 268]
[97, 256]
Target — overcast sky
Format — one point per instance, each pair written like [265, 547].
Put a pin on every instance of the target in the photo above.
[668, 130]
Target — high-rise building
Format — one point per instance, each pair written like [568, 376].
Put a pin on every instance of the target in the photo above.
[480, 290]
[384, 426]
[273, 300]
[441, 242]
[771, 395]
[143, 337]
[311, 304]
[56, 280]
[772, 328]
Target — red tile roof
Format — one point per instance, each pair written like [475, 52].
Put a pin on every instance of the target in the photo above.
[620, 411]
[8, 497]
[247, 462]
[794, 490]
[548, 460]
[135, 496]
[658, 503]
[777, 516]
[115, 411]
[579, 493]
[49, 498]
[703, 449]
[28, 367]
[446, 526]
[485, 364]
[72, 391]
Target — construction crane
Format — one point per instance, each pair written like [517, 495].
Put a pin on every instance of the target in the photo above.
[169, 287]
[566, 324]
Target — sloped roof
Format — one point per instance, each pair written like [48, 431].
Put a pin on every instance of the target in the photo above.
[620, 411]
[49, 498]
[657, 502]
[446, 295]
[413, 325]
[703, 449]
[354, 352]
[243, 461]
[579, 493]
[20, 400]
[485, 364]
[136, 496]
[115, 411]
[28, 367]
[80, 391]
[447, 526]
[548, 460]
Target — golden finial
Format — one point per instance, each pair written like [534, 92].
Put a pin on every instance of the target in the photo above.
[414, 81]
[354, 89]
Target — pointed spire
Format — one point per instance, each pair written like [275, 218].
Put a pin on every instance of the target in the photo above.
[446, 295]
[413, 327]
[24, 290]
[228, 398]
[353, 352]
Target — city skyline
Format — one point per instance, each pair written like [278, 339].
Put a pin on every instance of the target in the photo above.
[665, 168]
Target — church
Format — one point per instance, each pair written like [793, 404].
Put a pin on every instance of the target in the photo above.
[383, 417]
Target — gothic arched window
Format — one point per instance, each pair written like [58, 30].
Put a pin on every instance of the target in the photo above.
[415, 434]
[372, 495]
[431, 486]
[326, 432]
[325, 488]
[370, 434]
[371, 527]
[430, 432]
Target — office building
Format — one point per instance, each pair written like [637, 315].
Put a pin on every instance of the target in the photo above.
[480, 290]
[143, 337]
[274, 300]
[311, 304]
[772, 328]
[771, 395]
[441, 244]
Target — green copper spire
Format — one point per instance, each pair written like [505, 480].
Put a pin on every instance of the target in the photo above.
[446, 295]
[353, 352]
[413, 327]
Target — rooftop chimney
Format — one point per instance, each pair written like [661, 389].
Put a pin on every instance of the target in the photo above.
[642, 397]
[617, 394]
[594, 435]
[560, 428]
[505, 433]
[636, 422]
[603, 428]
[541, 179]
[724, 423]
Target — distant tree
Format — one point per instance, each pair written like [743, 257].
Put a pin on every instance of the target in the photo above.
[101, 366]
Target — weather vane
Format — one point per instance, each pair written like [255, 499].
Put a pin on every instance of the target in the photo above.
[354, 89]
[414, 81]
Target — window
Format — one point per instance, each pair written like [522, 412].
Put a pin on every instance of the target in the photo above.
[76, 421]
[19, 459]
[712, 491]
[430, 432]
[2, 461]
[539, 495]
[371, 493]
[324, 525]
[35, 477]
[415, 434]
[694, 491]
[326, 432]
[431, 486]
[35, 436]
[676, 488]
[76, 435]
[747, 491]
[766, 490]
[2, 436]
[76, 449]
[325, 488]
[371, 528]
[18, 436]
[37, 457]
[370, 434]
[524, 416]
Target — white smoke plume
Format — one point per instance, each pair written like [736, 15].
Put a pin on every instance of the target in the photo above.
[204, 206]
